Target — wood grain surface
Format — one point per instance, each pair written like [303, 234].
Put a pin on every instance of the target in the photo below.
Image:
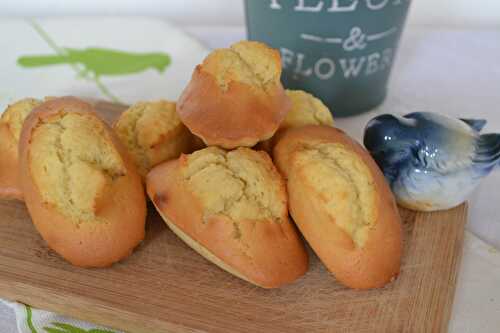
[167, 287]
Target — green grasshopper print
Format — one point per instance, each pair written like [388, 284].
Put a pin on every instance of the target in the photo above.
[94, 62]
[100, 61]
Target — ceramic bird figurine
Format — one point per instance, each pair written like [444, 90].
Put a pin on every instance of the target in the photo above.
[431, 161]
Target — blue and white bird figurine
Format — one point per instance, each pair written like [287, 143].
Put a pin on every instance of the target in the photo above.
[431, 161]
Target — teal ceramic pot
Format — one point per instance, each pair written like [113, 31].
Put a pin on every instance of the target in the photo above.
[342, 51]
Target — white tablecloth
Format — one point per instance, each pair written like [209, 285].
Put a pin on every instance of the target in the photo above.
[450, 71]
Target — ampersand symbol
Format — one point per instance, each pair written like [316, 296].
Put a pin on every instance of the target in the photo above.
[356, 40]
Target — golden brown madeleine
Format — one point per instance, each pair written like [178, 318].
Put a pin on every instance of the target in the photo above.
[153, 133]
[81, 188]
[11, 123]
[231, 207]
[306, 110]
[235, 97]
[342, 204]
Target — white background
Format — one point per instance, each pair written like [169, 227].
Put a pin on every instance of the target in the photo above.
[443, 13]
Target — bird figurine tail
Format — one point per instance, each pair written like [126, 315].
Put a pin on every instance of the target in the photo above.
[488, 150]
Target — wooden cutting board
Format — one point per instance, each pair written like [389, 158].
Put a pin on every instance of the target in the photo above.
[167, 287]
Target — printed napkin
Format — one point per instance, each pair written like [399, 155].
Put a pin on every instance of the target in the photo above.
[31, 320]
[118, 59]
